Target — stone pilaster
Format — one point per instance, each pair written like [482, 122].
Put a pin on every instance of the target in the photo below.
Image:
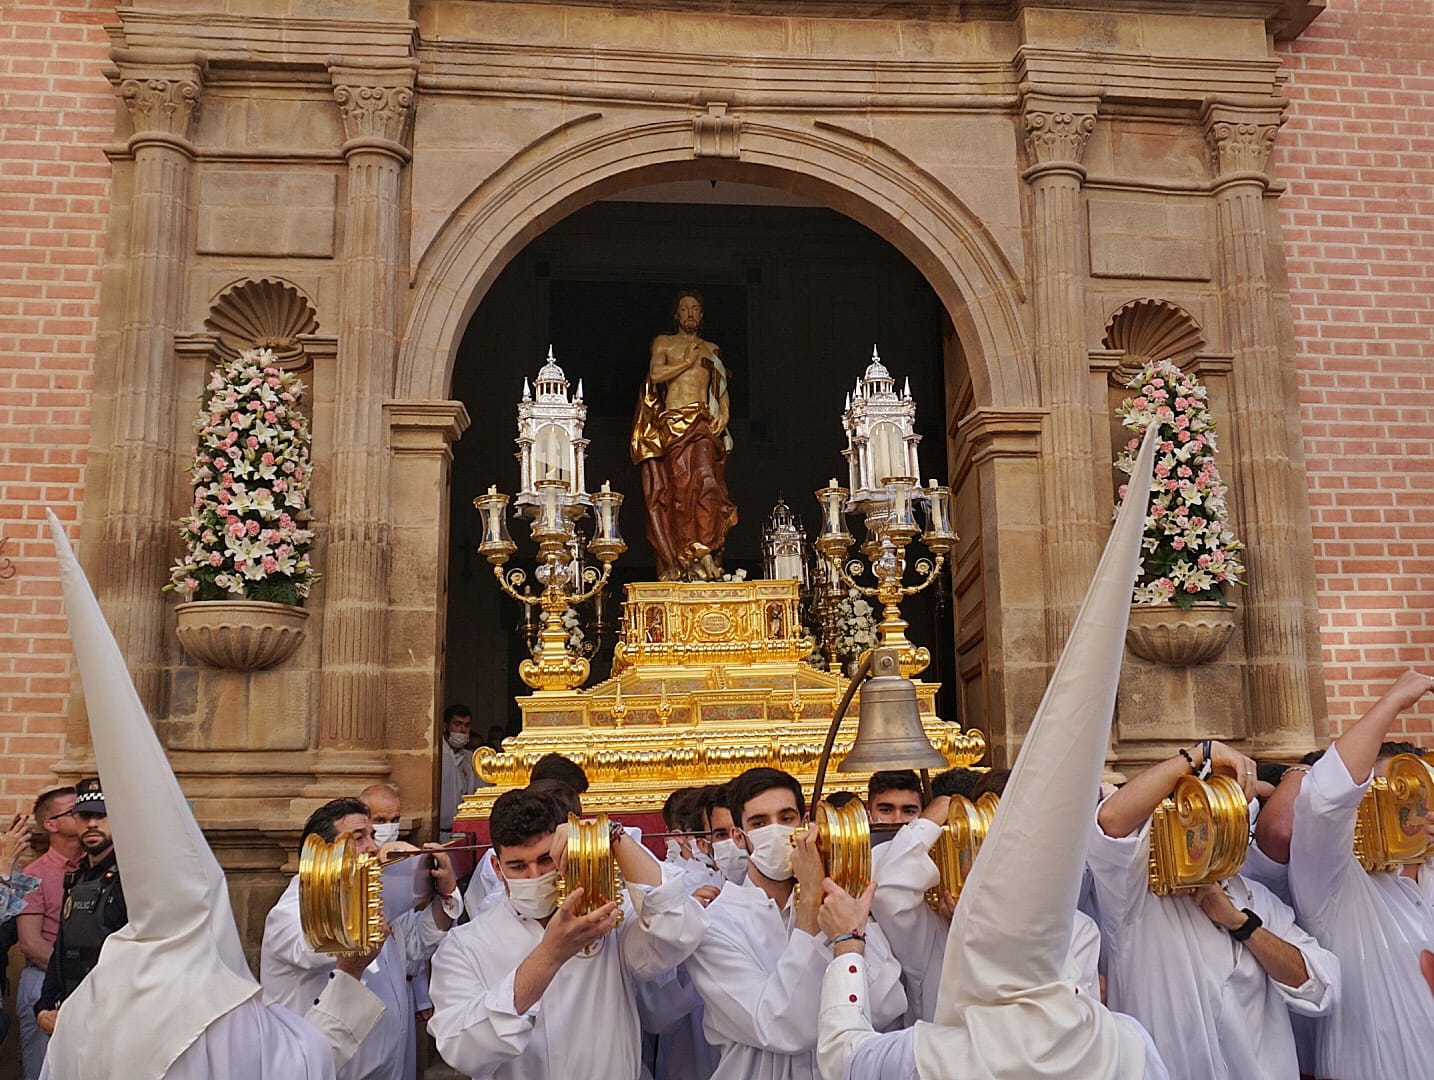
[377, 105]
[162, 92]
[1057, 125]
[1264, 480]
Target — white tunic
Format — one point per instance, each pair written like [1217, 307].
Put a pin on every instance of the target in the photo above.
[1377, 924]
[294, 975]
[893, 1056]
[585, 1024]
[918, 934]
[1209, 1005]
[761, 980]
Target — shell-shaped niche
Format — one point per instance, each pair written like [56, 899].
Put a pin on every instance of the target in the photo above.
[1149, 330]
[263, 314]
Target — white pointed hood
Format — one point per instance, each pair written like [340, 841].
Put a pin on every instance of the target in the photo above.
[177, 965]
[1003, 1009]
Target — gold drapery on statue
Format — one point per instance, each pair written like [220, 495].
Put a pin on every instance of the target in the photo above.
[684, 477]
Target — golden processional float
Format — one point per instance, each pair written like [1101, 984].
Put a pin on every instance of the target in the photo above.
[710, 678]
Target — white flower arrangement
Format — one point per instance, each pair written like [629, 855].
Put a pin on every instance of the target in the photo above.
[1188, 553]
[244, 535]
[573, 627]
[856, 626]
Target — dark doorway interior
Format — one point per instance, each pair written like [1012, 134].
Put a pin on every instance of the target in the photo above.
[795, 297]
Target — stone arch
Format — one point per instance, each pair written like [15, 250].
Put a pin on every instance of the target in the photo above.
[863, 178]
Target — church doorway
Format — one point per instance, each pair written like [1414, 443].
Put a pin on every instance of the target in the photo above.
[795, 295]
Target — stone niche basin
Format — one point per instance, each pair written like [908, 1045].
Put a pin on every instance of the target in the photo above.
[242, 635]
[1164, 634]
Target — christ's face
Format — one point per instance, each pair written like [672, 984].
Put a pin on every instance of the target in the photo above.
[689, 315]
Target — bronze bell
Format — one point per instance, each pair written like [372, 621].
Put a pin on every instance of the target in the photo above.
[888, 730]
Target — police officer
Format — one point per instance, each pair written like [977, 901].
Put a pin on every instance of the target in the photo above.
[93, 909]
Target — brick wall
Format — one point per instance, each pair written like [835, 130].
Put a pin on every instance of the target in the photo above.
[1358, 155]
[54, 197]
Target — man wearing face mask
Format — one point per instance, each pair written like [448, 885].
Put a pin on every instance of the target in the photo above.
[730, 857]
[529, 990]
[458, 778]
[294, 975]
[760, 964]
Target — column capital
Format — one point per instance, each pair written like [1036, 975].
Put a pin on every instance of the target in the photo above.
[1240, 133]
[376, 99]
[163, 90]
[1058, 123]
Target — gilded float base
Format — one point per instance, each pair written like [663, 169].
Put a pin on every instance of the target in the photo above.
[711, 681]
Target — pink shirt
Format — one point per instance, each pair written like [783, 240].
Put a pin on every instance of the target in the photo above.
[50, 868]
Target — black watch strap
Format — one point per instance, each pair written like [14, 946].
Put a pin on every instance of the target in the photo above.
[1252, 923]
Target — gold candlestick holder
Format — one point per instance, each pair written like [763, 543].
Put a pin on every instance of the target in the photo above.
[564, 581]
[891, 528]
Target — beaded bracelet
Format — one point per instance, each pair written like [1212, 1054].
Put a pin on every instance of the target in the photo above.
[852, 936]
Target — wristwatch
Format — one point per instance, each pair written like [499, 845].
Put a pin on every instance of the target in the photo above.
[615, 832]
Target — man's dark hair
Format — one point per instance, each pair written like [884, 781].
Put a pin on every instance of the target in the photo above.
[566, 797]
[558, 767]
[1270, 772]
[1393, 749]
[956, 781]
[682, 294]
[1312, 757]
[722, 796]
[455, 710]
[994, 780]
[699, 811]
[675, 809]
[45, 803]
[840, 798]
[325, 819]
[892, 780]
[522, 815]
[755, 781]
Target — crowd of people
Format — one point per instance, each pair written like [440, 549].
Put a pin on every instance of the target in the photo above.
[737, 956]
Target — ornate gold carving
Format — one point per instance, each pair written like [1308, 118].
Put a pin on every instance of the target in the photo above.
[1198, 835]
[263, 314]
[844, 840]
[955, 850]
[1389, 829]
[590, 865]
[340, 897]
[162, 100]
[690, 707]
[1240, 137]
[1148, 329]
[1058, 126]
[716, 134]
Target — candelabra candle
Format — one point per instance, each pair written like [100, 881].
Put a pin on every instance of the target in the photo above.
[552, 521]
[497, 546]
[607, 542]
[939, 535]
[902, 513]
[833, 540]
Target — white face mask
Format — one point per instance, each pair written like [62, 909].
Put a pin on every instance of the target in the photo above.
[458, 739]
[386, 832]
[730, 859]
[537, 898]
[772, 850]
[674, 851]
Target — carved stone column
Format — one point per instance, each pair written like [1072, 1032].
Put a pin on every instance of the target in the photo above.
[377, 105]
[1057, 124]
[1264, 479]
[162, 91]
